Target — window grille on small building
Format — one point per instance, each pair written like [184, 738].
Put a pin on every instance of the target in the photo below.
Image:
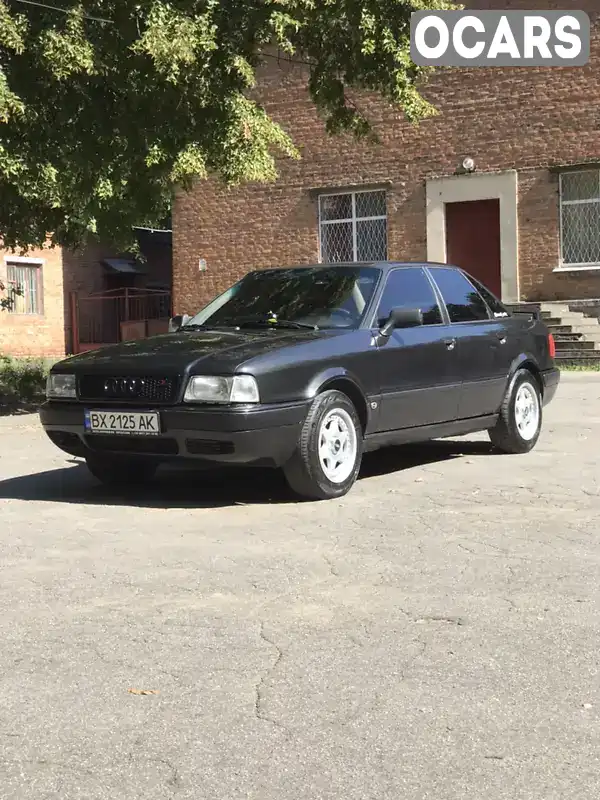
[580, 218]
[353, 226]
[24, 288]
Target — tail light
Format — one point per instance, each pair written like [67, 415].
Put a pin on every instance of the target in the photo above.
[551, 346]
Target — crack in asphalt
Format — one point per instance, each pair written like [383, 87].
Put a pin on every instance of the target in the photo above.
[440, 618]
[118, 662]
[360, 710]
[511, 603]
[501, 552]
[355, 639]
[420, 619]
[332, 567]
[259, 697]
[43, 762]
[411, 662]
[174, 781]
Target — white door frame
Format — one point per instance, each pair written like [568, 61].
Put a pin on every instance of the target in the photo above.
[502, 186]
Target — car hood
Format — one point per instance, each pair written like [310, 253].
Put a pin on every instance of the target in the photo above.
[178, 352]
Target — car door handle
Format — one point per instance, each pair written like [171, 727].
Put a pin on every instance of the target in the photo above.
[501, 337]
[450, 343]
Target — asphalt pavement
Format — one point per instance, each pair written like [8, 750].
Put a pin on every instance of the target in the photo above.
[434, 635]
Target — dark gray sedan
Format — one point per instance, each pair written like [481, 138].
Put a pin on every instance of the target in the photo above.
[305, 369]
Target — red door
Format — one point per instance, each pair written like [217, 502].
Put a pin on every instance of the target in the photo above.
[473, 240]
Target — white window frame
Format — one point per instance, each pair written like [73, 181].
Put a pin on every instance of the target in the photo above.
[354, 219]
[565, 265]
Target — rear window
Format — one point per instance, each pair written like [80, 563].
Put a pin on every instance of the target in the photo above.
[463, 301]
[494, 305]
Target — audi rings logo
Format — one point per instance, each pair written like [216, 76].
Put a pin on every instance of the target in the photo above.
[123, 387]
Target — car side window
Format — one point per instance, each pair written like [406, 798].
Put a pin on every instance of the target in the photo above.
[463, 301]
[494, 305]
[409, 288]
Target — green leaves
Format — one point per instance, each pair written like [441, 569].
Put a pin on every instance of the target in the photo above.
[13, 28]
[68, 51]
[175, 40]
[109, 106]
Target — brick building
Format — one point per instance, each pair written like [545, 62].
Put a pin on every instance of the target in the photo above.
[36, 326]
[40, 323]
[526, 220]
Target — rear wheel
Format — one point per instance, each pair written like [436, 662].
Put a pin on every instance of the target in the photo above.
[329, 453]
[520, 421]
[120, 470]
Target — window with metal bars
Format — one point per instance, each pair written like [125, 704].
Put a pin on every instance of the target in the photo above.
[580, 218]
[24, 288]
[353, 227]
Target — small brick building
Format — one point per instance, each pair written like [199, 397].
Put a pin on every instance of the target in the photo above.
[526, 220]
[36, 326]
[40, 323]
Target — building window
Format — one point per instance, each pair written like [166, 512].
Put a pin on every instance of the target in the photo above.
[580, 218]
[353, 227]
[24, 287]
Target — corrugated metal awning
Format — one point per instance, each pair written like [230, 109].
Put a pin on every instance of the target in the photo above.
[122, 265]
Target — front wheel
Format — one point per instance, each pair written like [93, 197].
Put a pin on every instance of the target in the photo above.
[120, 470]
[520, 421]
[329, 452]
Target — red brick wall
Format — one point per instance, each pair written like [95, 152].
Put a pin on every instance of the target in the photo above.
[539, 243]
[82, 268]
[39, 335]
[522, 118]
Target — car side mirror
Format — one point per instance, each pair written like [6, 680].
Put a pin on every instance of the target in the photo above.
[177, 322]
[402, 318]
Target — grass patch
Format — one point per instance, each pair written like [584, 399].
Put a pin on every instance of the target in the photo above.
[22, 382]
[594, 367]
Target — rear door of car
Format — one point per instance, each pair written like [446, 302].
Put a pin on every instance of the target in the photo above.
[486, 345]
[418, 367]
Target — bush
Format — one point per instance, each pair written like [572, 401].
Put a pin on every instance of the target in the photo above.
[22, 380]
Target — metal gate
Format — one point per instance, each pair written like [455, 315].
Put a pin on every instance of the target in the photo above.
[116, 316]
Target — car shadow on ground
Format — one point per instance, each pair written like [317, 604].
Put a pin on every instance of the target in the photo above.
[212, 488]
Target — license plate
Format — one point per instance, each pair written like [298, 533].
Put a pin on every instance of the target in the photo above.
[124, 423]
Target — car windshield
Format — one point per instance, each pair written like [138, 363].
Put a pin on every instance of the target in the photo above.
[311, 297]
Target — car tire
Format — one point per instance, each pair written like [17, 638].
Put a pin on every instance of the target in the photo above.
[520, 421]
[327, 459]
[120, 470]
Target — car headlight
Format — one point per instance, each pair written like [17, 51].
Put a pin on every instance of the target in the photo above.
[214, 389]
[62, 386]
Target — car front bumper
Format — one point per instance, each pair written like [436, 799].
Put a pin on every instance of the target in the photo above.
[262, 436]
[550, 379]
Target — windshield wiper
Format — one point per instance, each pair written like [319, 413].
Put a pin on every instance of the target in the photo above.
[197, 327]
[248, 322]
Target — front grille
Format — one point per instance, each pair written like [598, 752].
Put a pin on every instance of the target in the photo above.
[149, 389]
[206, 447]
[132, 444]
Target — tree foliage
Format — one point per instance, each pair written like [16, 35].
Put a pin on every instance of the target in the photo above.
[106, 106]
[4, 299]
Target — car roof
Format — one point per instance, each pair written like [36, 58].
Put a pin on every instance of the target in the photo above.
[383, 265]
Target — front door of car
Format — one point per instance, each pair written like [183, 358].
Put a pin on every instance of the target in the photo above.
[486, 344]
[418, 366]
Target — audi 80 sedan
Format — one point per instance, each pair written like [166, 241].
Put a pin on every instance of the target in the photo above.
[305, 369]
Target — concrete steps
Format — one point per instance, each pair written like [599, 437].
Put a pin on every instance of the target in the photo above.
[576, 334]
[575, 347]
[566, 335]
